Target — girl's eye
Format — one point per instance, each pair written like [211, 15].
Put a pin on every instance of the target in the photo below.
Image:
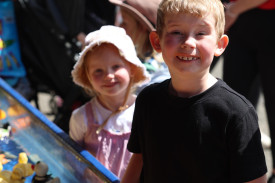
[115, 67]
[98, 71]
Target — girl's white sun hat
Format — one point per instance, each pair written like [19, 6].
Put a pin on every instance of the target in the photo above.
[118, 37]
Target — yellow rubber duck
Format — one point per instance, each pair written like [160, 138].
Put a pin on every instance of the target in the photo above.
[2, 177]
[15, 176]
[19, 172]
[16, 110]
[2, 114]
[23, 164]
[23, 158]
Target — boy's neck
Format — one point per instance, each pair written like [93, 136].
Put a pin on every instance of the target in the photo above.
[189, 88]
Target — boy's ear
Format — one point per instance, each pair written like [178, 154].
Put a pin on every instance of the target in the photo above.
[222, 44]
[154, 39]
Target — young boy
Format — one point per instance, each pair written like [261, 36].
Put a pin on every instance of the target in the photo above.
[193, 127]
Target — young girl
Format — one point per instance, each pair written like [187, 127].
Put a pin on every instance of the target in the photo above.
[109, 69]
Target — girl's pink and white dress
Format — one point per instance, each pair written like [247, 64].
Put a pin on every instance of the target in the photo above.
[110, 145]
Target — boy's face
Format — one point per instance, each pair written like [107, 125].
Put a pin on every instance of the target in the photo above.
[188, 43]
[109, 73]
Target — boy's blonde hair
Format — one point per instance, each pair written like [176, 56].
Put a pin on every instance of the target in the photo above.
[198, 8]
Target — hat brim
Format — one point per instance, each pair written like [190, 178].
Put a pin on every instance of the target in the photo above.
[135, 13]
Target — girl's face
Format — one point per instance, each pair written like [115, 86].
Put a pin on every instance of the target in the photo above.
[188, 44]
[108, 72]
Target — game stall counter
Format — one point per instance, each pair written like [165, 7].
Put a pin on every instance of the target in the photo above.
[25, 130]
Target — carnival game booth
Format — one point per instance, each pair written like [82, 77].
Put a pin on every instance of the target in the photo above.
[25, 129]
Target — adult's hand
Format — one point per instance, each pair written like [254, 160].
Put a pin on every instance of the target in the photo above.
[81, 38]
[230, 17]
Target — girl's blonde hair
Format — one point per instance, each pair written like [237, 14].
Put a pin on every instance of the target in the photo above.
[195, 7]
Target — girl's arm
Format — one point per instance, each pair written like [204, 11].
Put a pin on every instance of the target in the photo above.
[133, 171]
[77, 127]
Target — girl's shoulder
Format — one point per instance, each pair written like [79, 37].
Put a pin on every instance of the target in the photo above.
[80, 110]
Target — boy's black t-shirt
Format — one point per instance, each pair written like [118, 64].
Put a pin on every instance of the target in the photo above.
[212, 137]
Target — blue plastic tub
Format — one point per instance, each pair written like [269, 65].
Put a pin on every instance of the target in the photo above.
[43, 141]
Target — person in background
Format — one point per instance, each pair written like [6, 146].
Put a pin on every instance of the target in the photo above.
[193, 127]
[108, 69]
[248, 62]
[138, 18]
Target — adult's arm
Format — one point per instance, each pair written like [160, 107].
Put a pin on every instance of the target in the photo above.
[133, 171]
[234, 9]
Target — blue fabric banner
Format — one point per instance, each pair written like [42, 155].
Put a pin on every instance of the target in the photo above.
[10, 59]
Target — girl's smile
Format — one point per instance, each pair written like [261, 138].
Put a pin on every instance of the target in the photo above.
[109, 73]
